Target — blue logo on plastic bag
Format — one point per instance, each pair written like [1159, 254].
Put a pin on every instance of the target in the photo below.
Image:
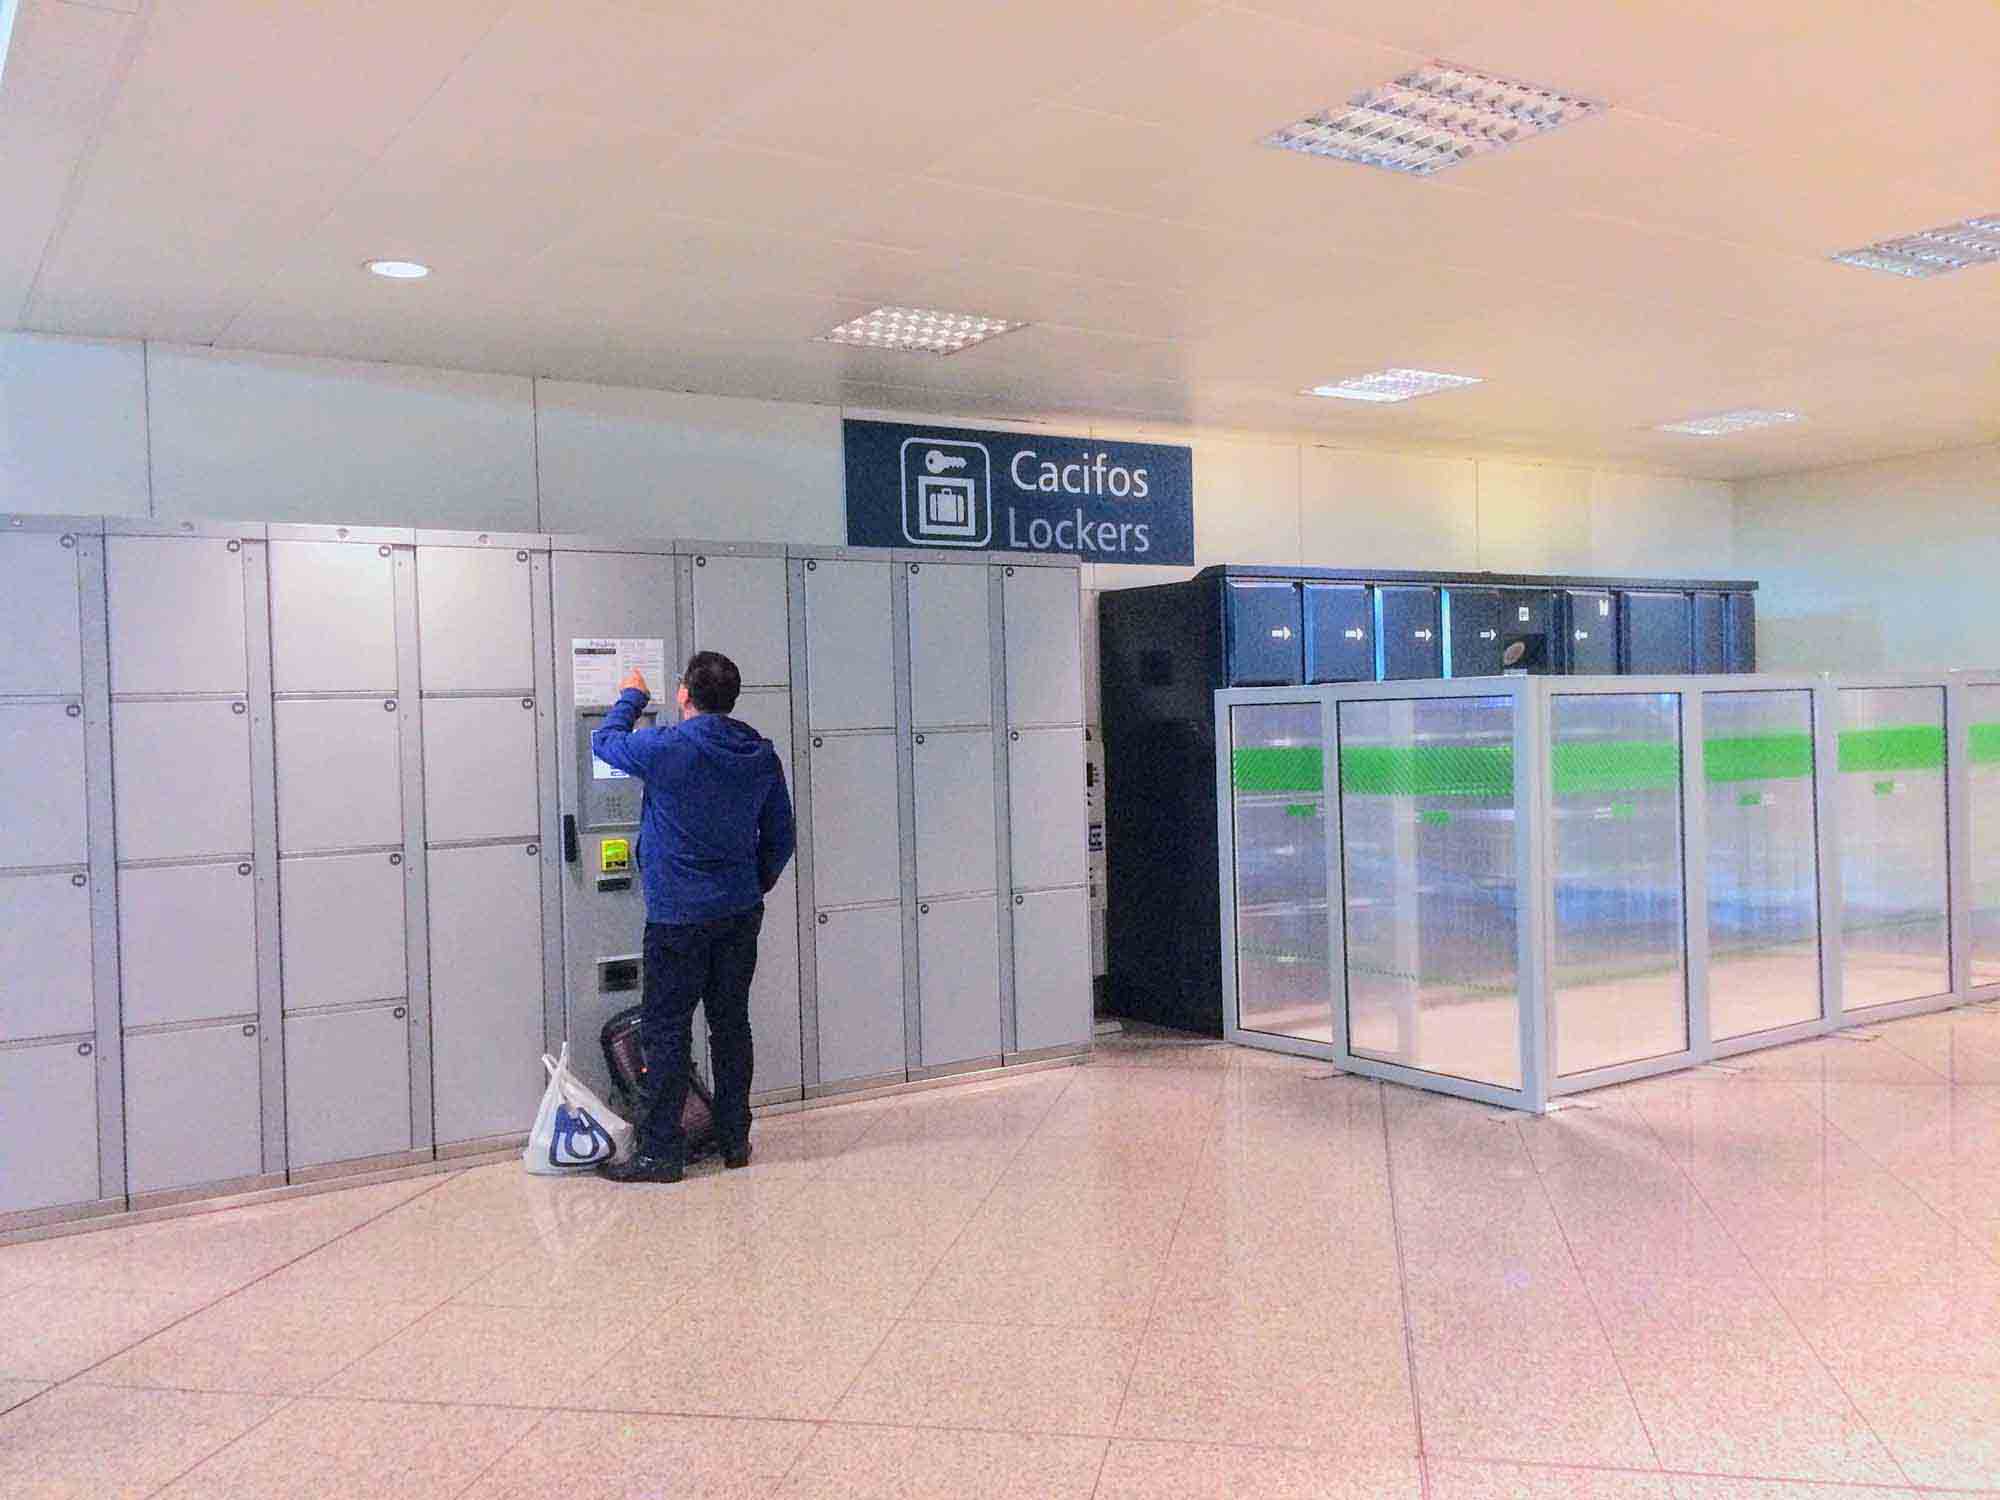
[577, 1140]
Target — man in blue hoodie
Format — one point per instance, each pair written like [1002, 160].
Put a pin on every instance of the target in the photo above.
[715, 833]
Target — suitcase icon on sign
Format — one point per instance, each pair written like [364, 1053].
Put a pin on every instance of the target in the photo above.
[947, 493]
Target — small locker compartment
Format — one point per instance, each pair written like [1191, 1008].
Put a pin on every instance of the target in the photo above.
[333, 618]
[1407, 636]
[740, 610]
[1045, 803]
[340, 929]
[1041, 622]
[347, 1084]
[486, 990]
[45, 956]
[1264, 638]
[1590, 633]
[955, 834]
[475, 615]
[187, 942]
[1340, 633]
[958, 968]
[193, 1107]
[39, 616]
[857, 855]
[1655, 632]
[850, 659]
[1052, 1002]
[1742, 632]
[774, 994]
[480, 776]
[1472, 633]
[859, 959]
[181, 771]
[41, 785]
[176, 614]
[340, 772]
[951, 645]
[48, 1117]
[1711, 632]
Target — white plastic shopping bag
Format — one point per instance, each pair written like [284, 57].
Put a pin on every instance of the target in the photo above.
[574, 1129]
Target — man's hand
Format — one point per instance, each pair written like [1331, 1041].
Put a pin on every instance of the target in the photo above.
[635, 679]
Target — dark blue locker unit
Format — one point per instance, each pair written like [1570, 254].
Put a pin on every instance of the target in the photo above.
[1590, 632]
[1655, 633]
[1528, 631]
[1407, 642]
[1711, 632]
[1472, 633]
[1265, 637]
[1340, 635]
[1742, 632]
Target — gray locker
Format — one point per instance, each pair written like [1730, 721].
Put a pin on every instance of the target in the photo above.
[1044, 658]
[347, 1085]
[341, 929]
[39, 618]
[45, 964]
[769, 712]
[860, 993]
[176, 615]
[1052, 1004]
[774, 993]
[193, 1107]
[479, 768]
[850, 659]
[856, 853]
[740, 610]
[1045, 797]
[956, 842]
[958, 969]
[333, 618]
[340, 772]
[475, 619]
[486, 990]
[951, 645]
[187, 943]
[182, 777]
[48, 1114]
[42, 819]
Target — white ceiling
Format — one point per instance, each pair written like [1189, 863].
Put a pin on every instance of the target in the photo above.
[682, 193]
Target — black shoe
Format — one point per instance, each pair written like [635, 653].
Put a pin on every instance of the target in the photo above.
[734, 1157]
[643, 1168]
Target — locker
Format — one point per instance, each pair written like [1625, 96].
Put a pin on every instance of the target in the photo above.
[182, 778]
[333, 618]
[769, 712]
[1742, 632]
[1528, 621]
[347, 1085]
[49, 1167]
[740, 610]
[187, 943]
[474, 619]
[849, 656]
[1264, 630]
[1408, 641]
[1655, 632]
[486, 990]
[856, 853]
[958, 969]
[954, 803]
[1472, 633]
[1590, 637]
[1052, 1005]
[45, 960]
[479, 768]
[1711, 632]
[1340, 634]
[1040, 608]
[1045, 795]
[193, 1107]
[39, 616]
[340, 772]
[774, 992]
[340, 929]
[176, 615]
[860, 993]
[42, 817]
[951, 645]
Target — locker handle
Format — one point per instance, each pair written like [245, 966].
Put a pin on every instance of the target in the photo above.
[534, 849]
[822, 919]
[382, 551]
[74, 710]
[527, 703]
[79, 881]
[244, 868]
[400, 1012]
[570, 853]
[818, 743]
[1020, 900]
[915, 569]
[920, 739]
[235, 546]
[1010, 572]
[701, 562]
[924, 909]
[395, 859]
[84, 1049]
[250, 1029]
[239, 708]
[811, 565]
[68, 540]
[388, 705]
[1013, 734]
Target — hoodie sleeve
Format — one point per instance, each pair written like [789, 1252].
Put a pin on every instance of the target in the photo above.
[776, 837]
[616, 745]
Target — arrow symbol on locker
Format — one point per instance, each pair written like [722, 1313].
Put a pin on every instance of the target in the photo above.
[1282, 633]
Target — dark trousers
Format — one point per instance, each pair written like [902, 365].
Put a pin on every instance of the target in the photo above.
[689, 964]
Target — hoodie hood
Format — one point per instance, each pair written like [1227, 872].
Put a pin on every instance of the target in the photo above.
[724, 739]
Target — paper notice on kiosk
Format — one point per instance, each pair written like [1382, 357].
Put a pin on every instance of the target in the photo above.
[600, 665]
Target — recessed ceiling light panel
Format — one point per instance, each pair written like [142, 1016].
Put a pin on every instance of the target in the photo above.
[1391, 385]
[400, 270]
[1723, 423]
[918, 330]
[1932, 252]
[1431, 118]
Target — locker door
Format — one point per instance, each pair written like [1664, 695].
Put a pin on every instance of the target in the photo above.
[474, 619]
[958, 967]
[340, 929]
[1340, 635]
[955, 830]
[769, 712]
[1472, 633]
[479, 768]
[951, 647]
[1528, 619]
[1711, 633]
[333, 618]
[49, 1167]
[182, 776]
[1407, 634]
[340, 773]
[1045, 797]
[192, 1107]
[1591, 636]
[45, 960]
[1052, 1006]
[187, 943]
[39, 617]
[42, 818]
[856, 853]
[1264, 630]
[1655, 632]
[486, 990]
[848, 648]
[740, 610]
[176, 615]
[1043, 631]
[1742, 632]
[860, 993]
[347, 1084]
[774, 992]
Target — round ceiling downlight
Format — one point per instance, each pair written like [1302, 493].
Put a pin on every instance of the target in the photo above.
[400, 270]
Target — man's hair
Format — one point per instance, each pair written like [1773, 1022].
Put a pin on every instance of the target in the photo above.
[712, 682]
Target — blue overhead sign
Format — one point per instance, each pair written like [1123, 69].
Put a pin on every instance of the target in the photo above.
[1018, 492]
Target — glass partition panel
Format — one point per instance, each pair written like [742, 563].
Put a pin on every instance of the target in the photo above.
[1763, 877]
[1619, 984]
[1894, 925]
[1278, 777]
[1428, 857]
[1983, 704]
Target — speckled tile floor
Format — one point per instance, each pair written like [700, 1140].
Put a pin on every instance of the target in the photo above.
[1185, 1270]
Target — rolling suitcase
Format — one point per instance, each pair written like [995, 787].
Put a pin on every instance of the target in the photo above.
[625, 1059]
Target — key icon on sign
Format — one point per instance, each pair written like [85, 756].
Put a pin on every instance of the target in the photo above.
[938, 462]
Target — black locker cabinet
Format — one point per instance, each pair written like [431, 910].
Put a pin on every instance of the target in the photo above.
[1742, 632]
[1407, 636]
[1265, 636]
[1528, 631]
[1340, 634]
[1590, 632]
[1711, 632]
[1472, 633]
[1655, 633]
